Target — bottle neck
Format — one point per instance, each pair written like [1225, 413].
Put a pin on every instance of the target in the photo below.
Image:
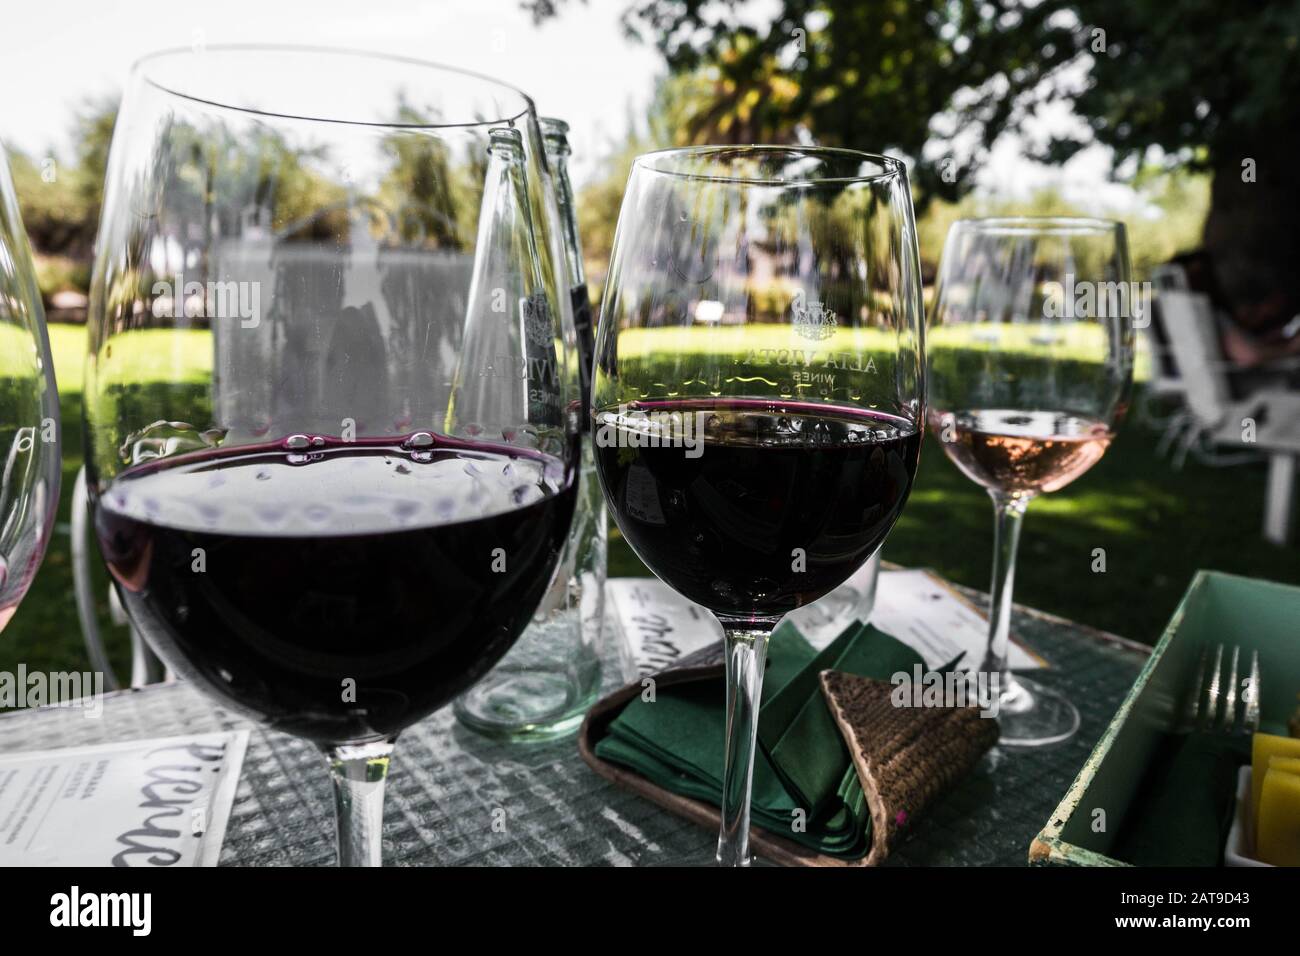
[558, 159]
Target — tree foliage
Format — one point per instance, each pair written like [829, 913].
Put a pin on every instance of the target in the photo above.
[941, 80]
[1193, 85]
[1199, 79]
[60, 202]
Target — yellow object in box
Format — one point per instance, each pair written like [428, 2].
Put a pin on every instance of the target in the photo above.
[1277, 828]
[1262, 748]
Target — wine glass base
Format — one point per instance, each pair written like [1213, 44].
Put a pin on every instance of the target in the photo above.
[1031, 714]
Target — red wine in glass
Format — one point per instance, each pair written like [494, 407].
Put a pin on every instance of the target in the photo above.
[338, 591]
[784, 501]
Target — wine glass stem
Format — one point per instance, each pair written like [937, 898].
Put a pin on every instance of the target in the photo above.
[746, 650]
[359, 772]
[1008, 510]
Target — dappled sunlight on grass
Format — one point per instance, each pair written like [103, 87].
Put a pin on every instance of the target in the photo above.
[1152, 527]
[1122, 514]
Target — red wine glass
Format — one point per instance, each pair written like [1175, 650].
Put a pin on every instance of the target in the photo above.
[759, 387]
[331, 414]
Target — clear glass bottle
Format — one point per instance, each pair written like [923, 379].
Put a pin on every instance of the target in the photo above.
[544, 686]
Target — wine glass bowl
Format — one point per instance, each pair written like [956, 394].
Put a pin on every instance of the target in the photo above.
[328, 448]
[1031, 364]
[734, 304]
[786, 500]
[758, 397]
[29, 412]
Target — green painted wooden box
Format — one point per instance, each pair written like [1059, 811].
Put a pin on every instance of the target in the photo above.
[1217, 608]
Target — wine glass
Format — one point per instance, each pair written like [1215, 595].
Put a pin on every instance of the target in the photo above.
[759, 390]
[1031, 364]
[331, 413]
[29, 412]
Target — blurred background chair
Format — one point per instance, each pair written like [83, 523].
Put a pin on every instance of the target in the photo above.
[1225, 430]
[1166, 386]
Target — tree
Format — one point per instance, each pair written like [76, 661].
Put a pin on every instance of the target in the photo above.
[1212, 87]
[60, 204]
[1193, 84]
[93, 135]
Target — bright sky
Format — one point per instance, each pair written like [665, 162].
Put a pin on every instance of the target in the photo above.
[579, 66]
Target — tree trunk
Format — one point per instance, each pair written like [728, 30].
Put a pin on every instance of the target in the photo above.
[1252, 232]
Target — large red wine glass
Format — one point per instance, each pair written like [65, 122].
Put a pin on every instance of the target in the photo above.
[758, 394]
[1031, 362]
[331, 410]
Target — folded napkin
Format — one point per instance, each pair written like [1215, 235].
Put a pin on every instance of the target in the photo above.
[1181, 814]
[808, 786]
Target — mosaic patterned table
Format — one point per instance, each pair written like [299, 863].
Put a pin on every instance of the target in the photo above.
[449, 785]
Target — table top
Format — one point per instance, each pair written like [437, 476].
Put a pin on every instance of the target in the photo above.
[448, 784]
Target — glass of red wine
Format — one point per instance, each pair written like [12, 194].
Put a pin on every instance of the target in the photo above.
[759, 388]
[29, 412]
[331, 409]
[1031, 364]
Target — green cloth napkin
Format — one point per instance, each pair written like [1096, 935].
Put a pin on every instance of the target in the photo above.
[795, 727]
[802, 769]
[1181, 814]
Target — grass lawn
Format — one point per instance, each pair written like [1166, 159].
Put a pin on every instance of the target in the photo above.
[1157, 527]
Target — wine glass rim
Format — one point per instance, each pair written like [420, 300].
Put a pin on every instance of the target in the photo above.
[1040, 225]
[890, 168]
[141, 68]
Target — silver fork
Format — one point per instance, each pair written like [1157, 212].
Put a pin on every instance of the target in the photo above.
[1212, 707]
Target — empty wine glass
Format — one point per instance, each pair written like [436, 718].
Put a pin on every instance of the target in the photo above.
[331, 407]
[759, 390]
[29, 412]
[1031, 363]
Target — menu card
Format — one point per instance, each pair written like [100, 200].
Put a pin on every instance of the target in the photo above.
[917, 607]
[923, 611]
[160, 802]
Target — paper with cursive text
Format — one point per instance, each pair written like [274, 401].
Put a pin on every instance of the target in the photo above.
[915, 606]
[160, 802]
